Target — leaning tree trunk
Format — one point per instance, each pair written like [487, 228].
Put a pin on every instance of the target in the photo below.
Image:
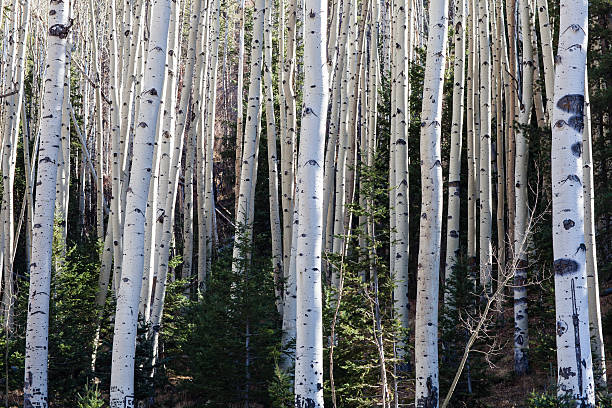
[309, 338]
[571, 294]
[426, 331]
[37, 330]
[126, 315]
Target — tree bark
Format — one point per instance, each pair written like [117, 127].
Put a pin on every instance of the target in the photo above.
[309, 339]
[126, 315]
[426, 330]
[37, 330]
[575, 375]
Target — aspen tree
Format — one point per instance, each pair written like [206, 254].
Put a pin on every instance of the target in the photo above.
[521, 338]
[499, 68]
[400, 112]
[167, 187]
[470, 100]
[597, 343]
[426, 330]
[199, 110]
[309, 339]
[239, 105]
[214, 26]
[188, 231]
[511, 112]
[36, 350]
[288, 145]
[248, 173]
[9, 159]
[275, 221]
[547, 54]
[126, 316]
[575, 375]
[454, 171]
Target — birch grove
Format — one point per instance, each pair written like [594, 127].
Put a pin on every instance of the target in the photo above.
[349, 203]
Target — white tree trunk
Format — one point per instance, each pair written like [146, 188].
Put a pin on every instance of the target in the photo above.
[521, 219]
[597, 343]
[248, 173]
[400, 112]
[426, 330]
[454, 171]
[575, 372]
[484, 142]
[309, 340]
[275, 221]
[547, 55]
[35, 380]
[126, 316]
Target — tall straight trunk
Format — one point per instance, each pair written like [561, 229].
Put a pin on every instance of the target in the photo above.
[499, 68]
[574, 360]
[597, 343]
[471, 184]
[167, 187]
[188, 232]
[115, 216]
[426, 331]
[200, 125]
[126, 315]
[511, 111]
[521, 338]
[309, 339]
[547, 55]
[248, 174]
[9, 161]
[454, 171]
[400, 111]
[486, 258]
[288, 145]
[275, 221]
[214, 26]
[98, 126]
[239, 105]
[187, 266]
[37, 330]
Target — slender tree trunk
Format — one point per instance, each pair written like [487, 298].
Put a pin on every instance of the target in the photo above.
[575, 376]
[547, 55]
[521, 337]
[597, 343]
[426, 331]
[400, 111]
[37, 330]
[454, 171]
[248, 174]
[239, 106]
[126, 316]
[309, 340]
[275, 221]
